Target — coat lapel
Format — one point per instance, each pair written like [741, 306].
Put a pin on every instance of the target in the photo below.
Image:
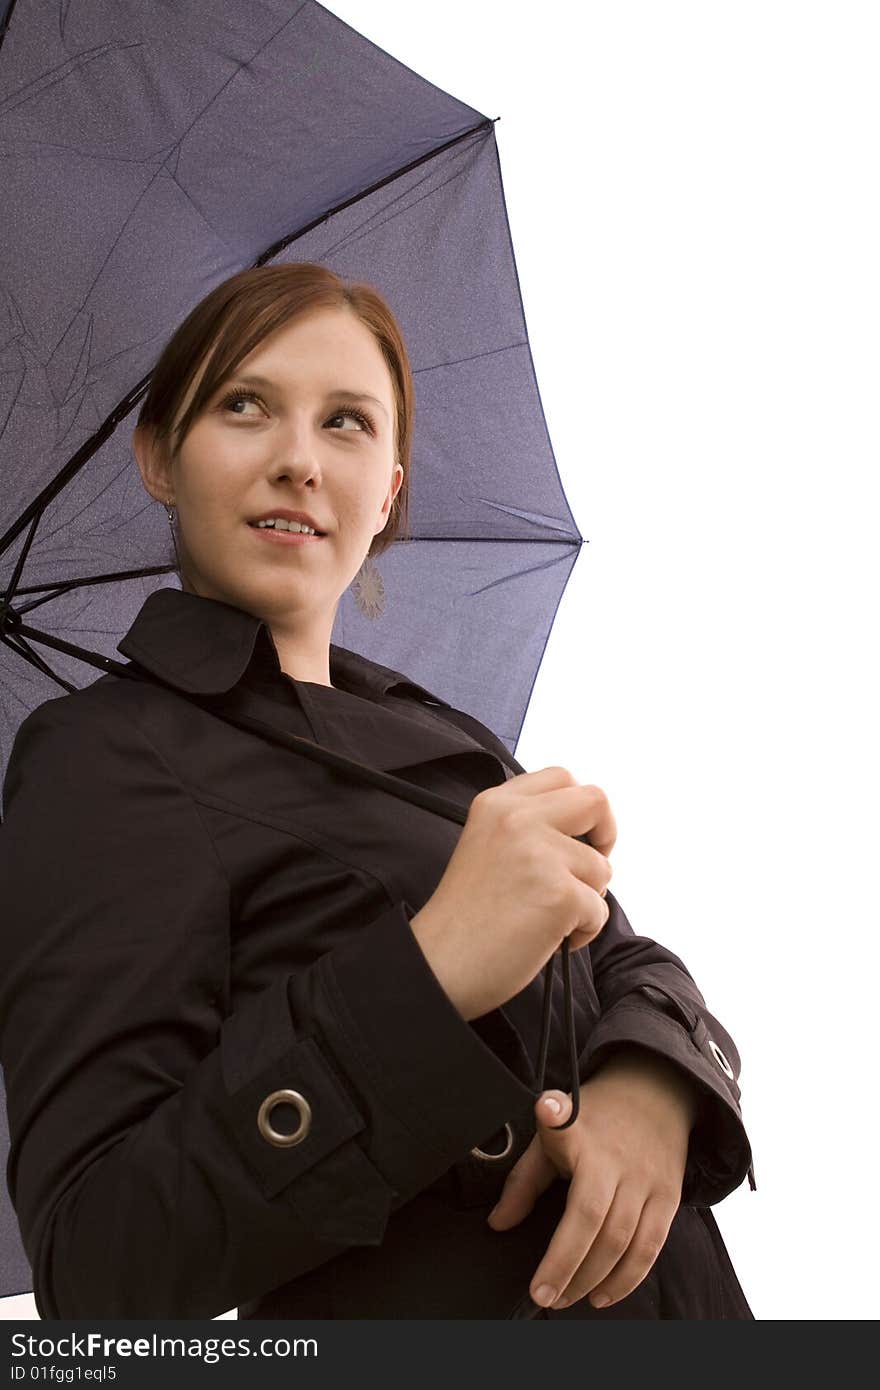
[386, 738]
[357, 728]
[204, 646]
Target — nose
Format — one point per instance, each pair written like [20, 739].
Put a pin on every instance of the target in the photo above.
[295, 454]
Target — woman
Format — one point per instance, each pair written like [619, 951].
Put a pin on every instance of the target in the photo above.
[268, 1032]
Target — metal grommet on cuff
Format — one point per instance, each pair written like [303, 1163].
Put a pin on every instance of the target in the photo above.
[275, 1136]
[493, 1158]
[720, 1058]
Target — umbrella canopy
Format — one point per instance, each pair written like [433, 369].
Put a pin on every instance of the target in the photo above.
[148, 153]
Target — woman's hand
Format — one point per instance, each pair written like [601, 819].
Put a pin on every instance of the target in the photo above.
[625, 1155]
[518, 884]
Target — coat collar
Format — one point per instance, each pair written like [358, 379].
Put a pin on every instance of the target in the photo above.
[205, 647]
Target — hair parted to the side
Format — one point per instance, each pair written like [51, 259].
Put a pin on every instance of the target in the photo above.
[229, 323]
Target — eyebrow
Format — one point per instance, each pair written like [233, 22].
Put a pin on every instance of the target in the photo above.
[341, 391]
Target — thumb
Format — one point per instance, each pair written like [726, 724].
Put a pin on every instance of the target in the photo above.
[552, 1108]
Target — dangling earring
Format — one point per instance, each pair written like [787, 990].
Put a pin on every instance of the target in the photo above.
[171, 514]
[368, 589]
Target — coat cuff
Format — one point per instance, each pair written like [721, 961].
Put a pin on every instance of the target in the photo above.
[433, 1089]
[719, 1153]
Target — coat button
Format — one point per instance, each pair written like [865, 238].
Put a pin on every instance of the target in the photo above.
[275, 1136]
[720, 1058]
[502, 1153]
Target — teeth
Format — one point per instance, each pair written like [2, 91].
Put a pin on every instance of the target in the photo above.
[281, 525]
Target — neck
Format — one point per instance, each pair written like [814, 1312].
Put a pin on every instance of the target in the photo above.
[305, 656]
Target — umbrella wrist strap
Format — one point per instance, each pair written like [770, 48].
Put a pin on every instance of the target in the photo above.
[568, 1006]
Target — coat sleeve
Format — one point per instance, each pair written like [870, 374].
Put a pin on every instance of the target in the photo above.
[143, 1183]
[649, 1000]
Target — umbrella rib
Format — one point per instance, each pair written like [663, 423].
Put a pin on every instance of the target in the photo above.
[572, 542]
[509, 578]
[371, 188]
[55, 590]
[386, 207]
[106, 663]
[473, 357]
[22, 648]
[19, 564]
[4, 25]
[128, 402]
[61, 525]
[78, 461]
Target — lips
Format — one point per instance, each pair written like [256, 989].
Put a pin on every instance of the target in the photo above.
[282, 531]
[270, 536]
[285, 514]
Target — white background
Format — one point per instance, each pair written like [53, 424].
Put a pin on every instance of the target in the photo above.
[692, 194]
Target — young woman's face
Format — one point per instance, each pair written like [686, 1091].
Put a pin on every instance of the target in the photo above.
[315, 435]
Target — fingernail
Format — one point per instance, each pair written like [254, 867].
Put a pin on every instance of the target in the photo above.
[552, 1103]
[494, 1210]
[600, 1300]
[544, 1294]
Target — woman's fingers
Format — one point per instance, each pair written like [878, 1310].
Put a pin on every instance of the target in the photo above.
[575, 808]
[585, 1211]
[531, 1175]
[607, 1280]
[626, 1154]
[590, 1193]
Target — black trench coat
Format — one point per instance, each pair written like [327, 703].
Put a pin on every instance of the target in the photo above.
[195, 918]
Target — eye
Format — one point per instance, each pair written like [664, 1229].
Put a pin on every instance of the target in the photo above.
[238, 393]
[364, 420]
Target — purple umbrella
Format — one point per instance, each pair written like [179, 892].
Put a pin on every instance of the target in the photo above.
[150, 152]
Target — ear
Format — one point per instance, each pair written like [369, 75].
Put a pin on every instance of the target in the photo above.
[153, 463]
[394, 488]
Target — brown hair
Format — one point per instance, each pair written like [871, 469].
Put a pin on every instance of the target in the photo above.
[234, 317]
